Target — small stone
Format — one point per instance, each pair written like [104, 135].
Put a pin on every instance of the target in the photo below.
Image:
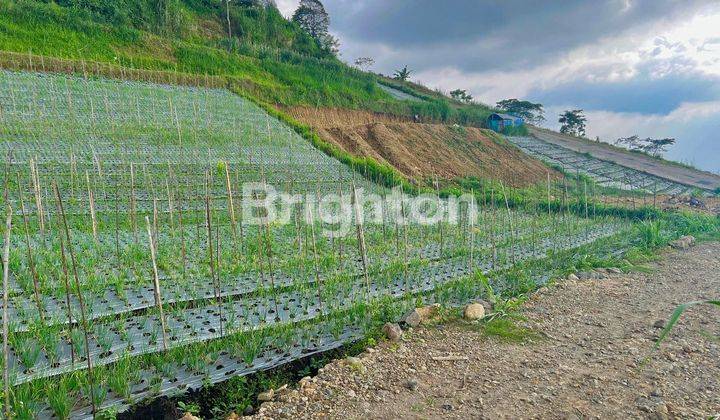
[411, 384]
[232, 416]
[421, 315]
[684, 242]
[189, 416]
[248, 411]
[392, 331]
[659, 324]
[573, 277]
[266, 396]
[474, 311]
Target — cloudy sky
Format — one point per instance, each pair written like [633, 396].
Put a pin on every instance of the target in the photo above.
[646, 67]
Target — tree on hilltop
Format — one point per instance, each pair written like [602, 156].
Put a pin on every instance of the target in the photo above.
[573, 122]
[530, 112]
[403, 74]
[655, 147]
[312, 17]
[461, 95]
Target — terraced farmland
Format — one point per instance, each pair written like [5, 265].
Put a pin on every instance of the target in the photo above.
[134, 270]
[604, 173]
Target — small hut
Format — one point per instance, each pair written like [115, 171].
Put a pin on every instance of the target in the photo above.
[499, 122]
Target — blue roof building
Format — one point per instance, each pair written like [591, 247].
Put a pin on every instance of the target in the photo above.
[499, 122]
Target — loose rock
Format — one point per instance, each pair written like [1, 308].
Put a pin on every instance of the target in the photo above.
[422, 315]
[392, 331]
[474, 311]
[266, 396]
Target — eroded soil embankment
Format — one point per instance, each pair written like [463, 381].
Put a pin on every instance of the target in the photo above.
[424, 151]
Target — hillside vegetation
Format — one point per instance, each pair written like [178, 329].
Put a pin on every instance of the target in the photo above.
[272, 58]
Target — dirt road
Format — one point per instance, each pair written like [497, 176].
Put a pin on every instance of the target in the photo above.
[682, 175]
[582, 358]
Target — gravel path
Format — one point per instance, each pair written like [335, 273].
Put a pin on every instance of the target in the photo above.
[585, 362]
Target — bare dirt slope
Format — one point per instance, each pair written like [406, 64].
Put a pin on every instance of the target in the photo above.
[675, 173]
[423, 151]
[587, 362]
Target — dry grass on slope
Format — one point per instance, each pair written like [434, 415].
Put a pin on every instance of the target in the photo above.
[423, 151]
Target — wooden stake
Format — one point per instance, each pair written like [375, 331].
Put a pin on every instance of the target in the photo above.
[231, 206]
[133, 220]
[91, 202]
[472, 229]
[440, 222]
[156, 281]
[31, 261]
[6, 287]
[66, 279]
[360, 236]
[80, 298]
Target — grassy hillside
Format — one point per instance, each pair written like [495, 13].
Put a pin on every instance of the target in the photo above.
[273, 58]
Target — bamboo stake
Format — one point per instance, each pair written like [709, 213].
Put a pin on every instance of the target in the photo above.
[133, 220]
[271, 269]
[171, 206]
[155, 220]
[38, 197]
[360, 236]
[156, 282]
[66, 280]
[492, 229]
[548, 192]
[310, 219]
[231, 206]
[510, 221]
[405, 237]
[6, 286]
[218, 260]
[183, 253]
[440, 223]
[211, 257]
[31, 261]
[80, 298]
[472, 229]
[91, 202]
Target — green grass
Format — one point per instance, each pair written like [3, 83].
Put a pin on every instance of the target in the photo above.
[507, 329]
[268, 57]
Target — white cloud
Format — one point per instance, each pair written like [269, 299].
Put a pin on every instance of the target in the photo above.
[287, 7]
[694, 125]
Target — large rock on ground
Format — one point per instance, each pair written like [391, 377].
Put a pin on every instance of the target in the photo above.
[392, 331]
[474, 311]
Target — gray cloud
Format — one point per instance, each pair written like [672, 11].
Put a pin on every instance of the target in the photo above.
[485, 35]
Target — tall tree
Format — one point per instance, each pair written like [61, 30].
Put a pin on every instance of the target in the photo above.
[573, 122]
[461, 95]
[530, 112]
[314, 19]
[655, 147]
[402, 74]
[364, 63]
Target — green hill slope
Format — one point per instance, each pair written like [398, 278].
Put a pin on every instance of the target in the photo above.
[271, 57]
